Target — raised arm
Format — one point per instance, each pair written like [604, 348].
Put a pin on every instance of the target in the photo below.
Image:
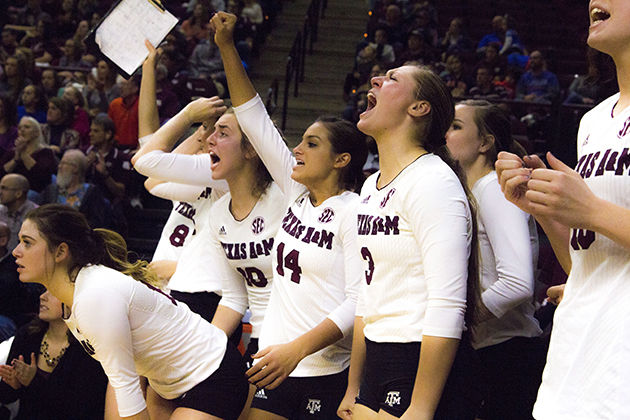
[249, 109]
[148, 117]
[202, 110]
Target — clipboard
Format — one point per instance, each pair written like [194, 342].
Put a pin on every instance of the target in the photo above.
[119, 35]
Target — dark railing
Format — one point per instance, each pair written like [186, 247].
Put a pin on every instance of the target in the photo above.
[304, 38]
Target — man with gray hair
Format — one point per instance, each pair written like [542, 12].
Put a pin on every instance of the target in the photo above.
[69, 187]
[14, 204]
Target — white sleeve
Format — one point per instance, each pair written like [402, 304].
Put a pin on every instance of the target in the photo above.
[439, 214]
[508, 232]
[343, 315]
[110, 336]
[178, 192]
[268, 143]
[180, 168]
[233, 289]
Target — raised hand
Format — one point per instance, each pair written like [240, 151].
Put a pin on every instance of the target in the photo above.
[205, 109]
[222, 24]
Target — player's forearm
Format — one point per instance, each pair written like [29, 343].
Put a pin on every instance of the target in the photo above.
[558, 235]
[357, 358]
[612, 221]
[165, 138]
[436, 359]
[226, 319]
[239, 85]
[323, 335]
[148, 117]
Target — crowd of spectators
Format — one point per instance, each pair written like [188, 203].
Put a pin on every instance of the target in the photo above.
[498, 67]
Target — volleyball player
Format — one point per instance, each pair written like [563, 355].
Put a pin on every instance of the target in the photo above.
[304, 340]
[416, 237]
[506, 334]
[130, 326]
[586, 215]
[180, 224]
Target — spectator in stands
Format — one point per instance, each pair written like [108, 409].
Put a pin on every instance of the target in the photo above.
[41, 40]
[58, 132]
[30, 157]
[167, 101]
[80, 119]
[394, 25]
[537, 84]
[14, 77]
[205, 61]
[69, 187]
[8, 44]
[50, 83]
[455, 77]
[384, 51]
[495, 37]
[109, 167]
[421, 19]
[66, 19]
[101, 88]
[455, 40]
[417, 49]
[196, 27]
[124, 113]
[175, 63]
[49, 371]
[484, 88]
[592, 87]
[72, 54]
[493, 60]
[33, 104]
[14, 204]
[8, 124]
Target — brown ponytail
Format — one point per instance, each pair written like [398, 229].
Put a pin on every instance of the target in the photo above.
[58, 223]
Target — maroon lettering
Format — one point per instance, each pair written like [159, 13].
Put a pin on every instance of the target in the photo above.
[591, 165]
[290, 261]
[581, 239]
[602, 164]
[253, 276]
[179, 235]
[623, 162]
[367, 256]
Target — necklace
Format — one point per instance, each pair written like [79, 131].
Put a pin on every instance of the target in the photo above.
[43, 350]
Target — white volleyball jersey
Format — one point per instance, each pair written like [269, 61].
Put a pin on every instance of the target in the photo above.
[186, 173]
[135, 330]
[587, 375]
[244, 253]
[508, 245]
[316, 264]
[415, 236]
[179, 227]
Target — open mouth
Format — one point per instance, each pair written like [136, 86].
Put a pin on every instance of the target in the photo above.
[214, 158]
[598, 16]
[299, 162]
[371, 101]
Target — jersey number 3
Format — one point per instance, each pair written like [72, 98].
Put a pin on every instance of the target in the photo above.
[289, 261]
[367, 256]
